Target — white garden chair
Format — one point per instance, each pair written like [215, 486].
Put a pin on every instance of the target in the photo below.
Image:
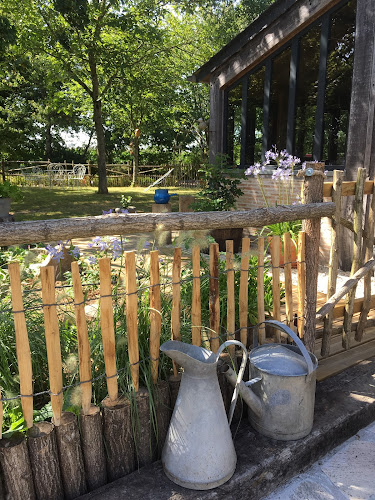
[77, 174]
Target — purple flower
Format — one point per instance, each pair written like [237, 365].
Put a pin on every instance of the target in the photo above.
[92, 260]
[75, 252]
[147, 245]
[107, 212]
[124, 211]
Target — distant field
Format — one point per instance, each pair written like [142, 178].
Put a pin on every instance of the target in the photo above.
[57, 203]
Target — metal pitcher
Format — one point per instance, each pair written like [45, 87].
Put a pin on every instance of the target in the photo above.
[198, 452]
[281, 391]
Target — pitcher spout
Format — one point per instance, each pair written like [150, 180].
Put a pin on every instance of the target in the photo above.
[190, 357]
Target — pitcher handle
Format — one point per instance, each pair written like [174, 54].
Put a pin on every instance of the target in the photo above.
[239, 376]
[296, 339]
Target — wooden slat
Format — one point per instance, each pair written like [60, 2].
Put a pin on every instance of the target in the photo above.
[132, 316]
[51, 326]
[176, 299]
[301, 276]
[196, 311]
[333, 256]
[22, 344]
[288, 279]
[260, 292]
[155, 314]
[275, 261]
[84, 353]
[108, 327]
[348, 188]
[357, 255]
[244, 290]
[231, 311]
[214, 298]
[367, 280]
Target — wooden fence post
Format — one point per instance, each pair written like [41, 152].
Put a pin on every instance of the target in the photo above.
[155, 313]
[312, 193]
[231, 311]
[338, 177]
[196, 308]
[214, 298]
[260, 292]
[244, 290]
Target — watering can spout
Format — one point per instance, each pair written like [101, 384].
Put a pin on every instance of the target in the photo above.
[251, 399]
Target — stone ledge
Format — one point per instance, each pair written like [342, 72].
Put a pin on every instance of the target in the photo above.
[344, 404]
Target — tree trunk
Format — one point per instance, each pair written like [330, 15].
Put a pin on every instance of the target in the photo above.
[48, 140]
[135, 160]
[98, 120]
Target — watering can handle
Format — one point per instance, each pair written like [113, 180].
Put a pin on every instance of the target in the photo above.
[296, 339]
[239, 376]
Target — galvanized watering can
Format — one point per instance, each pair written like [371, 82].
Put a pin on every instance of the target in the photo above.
[198, 452]
[281, 390]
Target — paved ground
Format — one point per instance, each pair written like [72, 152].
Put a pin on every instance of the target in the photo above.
[347, 472]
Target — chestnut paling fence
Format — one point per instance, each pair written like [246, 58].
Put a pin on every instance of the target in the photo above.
[79, 461]
[61, 459]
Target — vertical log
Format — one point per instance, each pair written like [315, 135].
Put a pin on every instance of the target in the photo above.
[231, 311]
[275, 261]
[108, 327]
[244, 289]
[145, 443]
[83, 341]
[22, 344]
[117, 430]
[176, 299]
[93, 448]
[15, 463]
[196, 311]
[51, 325]
[155, 313]
[357, 255]
[45, 461]
[132, 316]
[312, 193]
[70, 456]
[338, 177]
[288, 279]
[260, 292]
[214, 298]
[301, 283]
[367, 279]
[163, 414]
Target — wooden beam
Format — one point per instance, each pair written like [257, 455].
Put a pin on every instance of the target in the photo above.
[348, 188]
[16, 233]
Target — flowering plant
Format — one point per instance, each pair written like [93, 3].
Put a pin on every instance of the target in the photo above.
[283, 174]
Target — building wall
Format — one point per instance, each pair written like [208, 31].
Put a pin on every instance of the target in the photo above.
[253, 198]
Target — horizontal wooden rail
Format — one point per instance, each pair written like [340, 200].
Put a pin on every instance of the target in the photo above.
[84, 227]
[347, 286]
[348, 188]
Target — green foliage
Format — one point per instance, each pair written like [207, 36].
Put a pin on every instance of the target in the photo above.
[220, 191]
[126, 200]
[9, 190]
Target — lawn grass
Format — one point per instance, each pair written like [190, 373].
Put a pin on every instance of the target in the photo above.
[58, 203]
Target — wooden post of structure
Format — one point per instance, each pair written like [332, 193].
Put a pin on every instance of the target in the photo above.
[275, 261]
[22, 344]
[176, 300]
[338, 177]
[132, 316]
[260, 292]
[15, 463]
[357, 256]
[51, 325]
[41, 441]
[214, 298]
[108, 327]
[288, 279]
[196, 311]
[145, 443]
[231, 311]
[155, 314]
[367, 280]
[244, 289]
[312, 193]
[301, 288]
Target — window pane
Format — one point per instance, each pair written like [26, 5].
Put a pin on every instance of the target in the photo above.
[234, 125]
[307, 88]
[339, 80]
[254, 120]
[279, 100]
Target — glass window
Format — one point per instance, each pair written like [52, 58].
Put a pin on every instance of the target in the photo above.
[279, 100]
[234, 125]
[254, 119]
[338, 88]
[306, 94]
